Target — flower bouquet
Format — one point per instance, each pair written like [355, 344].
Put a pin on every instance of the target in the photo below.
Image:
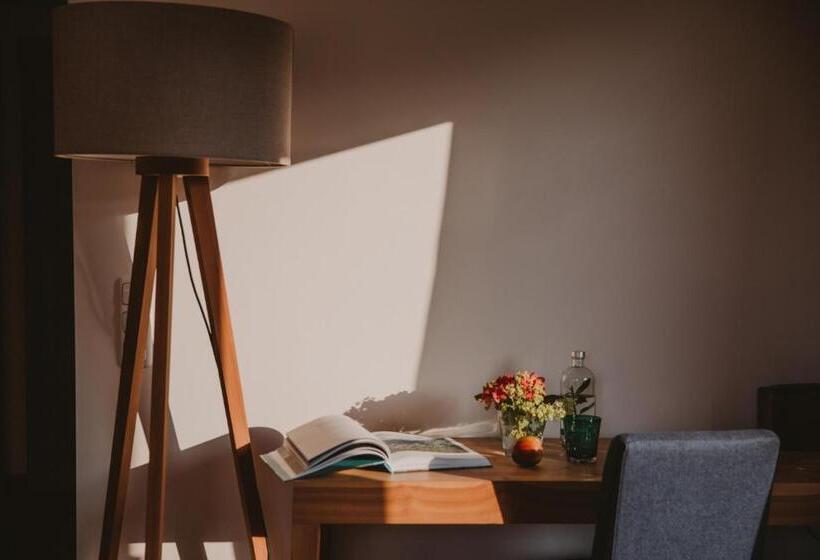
[523, 406]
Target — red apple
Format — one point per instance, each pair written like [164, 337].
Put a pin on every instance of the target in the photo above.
[528, 451]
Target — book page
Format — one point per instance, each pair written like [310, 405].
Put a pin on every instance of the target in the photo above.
[326, 433]
[398, 442]
[285, 462]
[411, 452]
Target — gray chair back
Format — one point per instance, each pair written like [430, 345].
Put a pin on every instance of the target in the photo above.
[686, 495]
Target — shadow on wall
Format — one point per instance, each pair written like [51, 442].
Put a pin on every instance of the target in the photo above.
[405, 411]
[200, 497]
[422, 410]
[631, 179]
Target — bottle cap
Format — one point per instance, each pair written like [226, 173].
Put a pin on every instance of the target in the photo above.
[578, 355]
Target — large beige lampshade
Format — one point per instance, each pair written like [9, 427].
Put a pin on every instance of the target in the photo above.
[169, 80]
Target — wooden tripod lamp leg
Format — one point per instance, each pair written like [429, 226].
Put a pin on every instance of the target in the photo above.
[136, 329]
[157, 442]
[154, 254]
[198, 194]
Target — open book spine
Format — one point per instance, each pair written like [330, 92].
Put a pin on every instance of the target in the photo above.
[288, 464]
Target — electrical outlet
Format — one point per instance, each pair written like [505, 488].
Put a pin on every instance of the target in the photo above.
[123, 290]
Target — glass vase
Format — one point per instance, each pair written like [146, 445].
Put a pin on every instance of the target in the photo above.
[513, 426]
[581, 433]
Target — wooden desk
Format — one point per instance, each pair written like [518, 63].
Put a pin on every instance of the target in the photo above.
[553, 492]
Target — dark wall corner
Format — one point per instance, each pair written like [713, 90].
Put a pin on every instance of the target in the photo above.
[37, 294]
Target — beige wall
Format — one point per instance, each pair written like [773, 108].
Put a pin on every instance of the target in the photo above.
[482, 186]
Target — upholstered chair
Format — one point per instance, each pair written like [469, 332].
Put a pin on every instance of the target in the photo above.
[686, 495]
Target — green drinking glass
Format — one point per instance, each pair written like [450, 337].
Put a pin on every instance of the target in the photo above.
[581, 434]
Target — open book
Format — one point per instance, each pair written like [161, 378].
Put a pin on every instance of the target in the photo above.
[339, 442]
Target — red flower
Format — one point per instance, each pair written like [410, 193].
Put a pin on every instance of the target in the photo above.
[497, 391]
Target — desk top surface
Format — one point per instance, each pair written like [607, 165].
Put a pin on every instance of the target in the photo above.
[793, 468]
[553, 468]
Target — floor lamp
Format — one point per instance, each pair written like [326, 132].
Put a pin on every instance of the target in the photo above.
[176, 89]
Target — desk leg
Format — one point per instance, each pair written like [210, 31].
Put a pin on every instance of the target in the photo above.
[305, 542]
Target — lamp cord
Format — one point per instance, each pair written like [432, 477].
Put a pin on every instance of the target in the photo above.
[191, 274]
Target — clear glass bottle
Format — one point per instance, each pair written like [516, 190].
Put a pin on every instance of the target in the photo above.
[578, 386]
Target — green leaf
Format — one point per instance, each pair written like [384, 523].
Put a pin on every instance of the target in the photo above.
[583, 410]
[584, 384]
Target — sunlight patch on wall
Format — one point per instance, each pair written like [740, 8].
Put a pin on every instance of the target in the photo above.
[330, 266]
